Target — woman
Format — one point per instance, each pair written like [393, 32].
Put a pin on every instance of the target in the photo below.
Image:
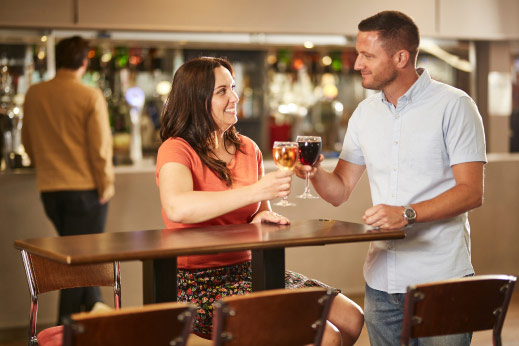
[208, 174]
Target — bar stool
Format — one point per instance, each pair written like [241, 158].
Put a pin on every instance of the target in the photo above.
[154, 324]
[457, 306]
[44, 275]
[285, 317]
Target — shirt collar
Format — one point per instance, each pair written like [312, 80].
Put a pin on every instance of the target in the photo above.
[67, 73]
[416, 89]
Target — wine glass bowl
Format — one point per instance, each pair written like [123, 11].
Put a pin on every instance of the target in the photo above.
[309, 148]
[285, 157]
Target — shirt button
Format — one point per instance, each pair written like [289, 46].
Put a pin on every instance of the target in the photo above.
[394, 169]
[397, 116]
[393, 195]
[390, 247]
[396, 142]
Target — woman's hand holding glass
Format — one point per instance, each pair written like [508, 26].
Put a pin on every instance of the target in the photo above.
[273, 185]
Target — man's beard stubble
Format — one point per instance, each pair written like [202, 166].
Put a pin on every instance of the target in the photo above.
[381, 82]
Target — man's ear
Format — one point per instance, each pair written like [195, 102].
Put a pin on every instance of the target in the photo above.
[401, 58]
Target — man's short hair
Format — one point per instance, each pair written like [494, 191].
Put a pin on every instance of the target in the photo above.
[396, 29]
[71, 52]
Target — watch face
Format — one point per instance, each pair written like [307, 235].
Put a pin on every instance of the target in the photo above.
[410, 214]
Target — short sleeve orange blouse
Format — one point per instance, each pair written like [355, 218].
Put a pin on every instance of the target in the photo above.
[246, 168]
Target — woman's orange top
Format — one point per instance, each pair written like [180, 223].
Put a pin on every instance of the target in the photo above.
[246, 168]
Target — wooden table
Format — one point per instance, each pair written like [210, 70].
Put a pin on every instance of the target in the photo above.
[158, 249]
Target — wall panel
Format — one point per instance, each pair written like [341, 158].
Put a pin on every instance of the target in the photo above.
[479, 19]
[269, 16]
[37, 13]
[468, 19]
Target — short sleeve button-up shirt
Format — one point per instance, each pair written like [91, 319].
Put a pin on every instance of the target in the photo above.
[408, 151]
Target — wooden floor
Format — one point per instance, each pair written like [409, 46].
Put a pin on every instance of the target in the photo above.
[510, 335]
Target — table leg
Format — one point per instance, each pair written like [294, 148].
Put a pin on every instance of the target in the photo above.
[268, 269]
[159, 280]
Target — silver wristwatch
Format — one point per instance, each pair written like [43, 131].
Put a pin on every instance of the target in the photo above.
[409, 214]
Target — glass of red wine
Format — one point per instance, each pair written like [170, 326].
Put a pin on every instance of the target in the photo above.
[309, 150]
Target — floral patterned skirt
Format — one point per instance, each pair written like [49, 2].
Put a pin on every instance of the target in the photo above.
[204, 286]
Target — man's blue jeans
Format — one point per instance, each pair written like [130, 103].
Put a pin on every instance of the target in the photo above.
[384, 312]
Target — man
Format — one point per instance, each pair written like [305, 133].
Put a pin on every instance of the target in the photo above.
[423, 146]
[66, 134]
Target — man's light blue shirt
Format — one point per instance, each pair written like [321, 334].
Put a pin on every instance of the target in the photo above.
[408, 151]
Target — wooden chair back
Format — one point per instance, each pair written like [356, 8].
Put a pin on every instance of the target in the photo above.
[44, 275]
[274, 317]
[167, 324]
[457, 306]
[51, 275]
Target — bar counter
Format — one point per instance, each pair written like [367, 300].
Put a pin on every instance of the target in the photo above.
[136, 205]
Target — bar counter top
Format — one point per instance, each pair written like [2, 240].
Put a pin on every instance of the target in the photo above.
[148, 164]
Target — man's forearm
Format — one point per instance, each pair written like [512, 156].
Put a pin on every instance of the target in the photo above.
[330, 187]
[453, 202]
[336, 187]
[467, 194]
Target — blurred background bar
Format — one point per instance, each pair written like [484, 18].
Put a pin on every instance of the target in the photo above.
[294, 62]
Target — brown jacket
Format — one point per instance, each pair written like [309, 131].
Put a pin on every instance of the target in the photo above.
[66, 133]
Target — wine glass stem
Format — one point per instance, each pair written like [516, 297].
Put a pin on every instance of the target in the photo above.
[307, 183]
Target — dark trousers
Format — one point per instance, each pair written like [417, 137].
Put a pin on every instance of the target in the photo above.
[75, 213]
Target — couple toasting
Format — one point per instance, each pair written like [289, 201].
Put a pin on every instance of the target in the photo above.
[420, 141]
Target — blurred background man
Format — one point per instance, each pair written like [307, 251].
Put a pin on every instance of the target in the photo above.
[66, 133]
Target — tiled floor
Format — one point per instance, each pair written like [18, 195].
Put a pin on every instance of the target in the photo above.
[510, 335]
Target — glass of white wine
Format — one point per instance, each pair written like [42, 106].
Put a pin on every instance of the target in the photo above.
[285, 157]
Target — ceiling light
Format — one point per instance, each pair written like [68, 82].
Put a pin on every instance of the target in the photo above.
[326, 60]
[455, 61]
[308, 44]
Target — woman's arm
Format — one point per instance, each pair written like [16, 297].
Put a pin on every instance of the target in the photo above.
[184, 205]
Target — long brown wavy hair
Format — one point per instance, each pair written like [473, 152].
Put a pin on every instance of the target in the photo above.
[187, 112]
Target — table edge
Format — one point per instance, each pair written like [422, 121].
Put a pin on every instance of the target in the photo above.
[150, 255]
